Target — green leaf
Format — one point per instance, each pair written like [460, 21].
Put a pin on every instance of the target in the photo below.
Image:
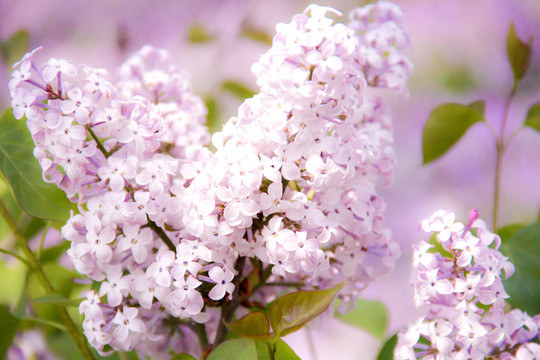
[533, 117]
[58, 299]
[368, 315]
[197, 34]
[292, 311]
[438, 247]
[257, 35]
[238, 349]
[284, 351]
[54, 252]
[387, 351]
[14, 48]
[8, 330]
[239, 90]
[506, 232]
[13, 281]
[212, 117]
[518, 53]
[254, 325]
[445, 126]
[22, 171]
[479, 106]
[281, 350]
[523, 249]
[183, 356]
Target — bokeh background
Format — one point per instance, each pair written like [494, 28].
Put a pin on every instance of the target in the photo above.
[458, 49]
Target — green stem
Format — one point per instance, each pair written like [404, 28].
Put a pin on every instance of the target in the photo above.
[71, 328]
[42, 240]
[286, 284]
[45, 322]
[98, 142]
[200, 330]
[20, 258]
[498, 165]
[227, 311]
[161, 233]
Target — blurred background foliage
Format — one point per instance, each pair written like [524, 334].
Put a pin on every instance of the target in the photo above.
[459, 52]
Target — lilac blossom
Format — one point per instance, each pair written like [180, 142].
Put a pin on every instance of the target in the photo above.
[463, 295]
[163, 224]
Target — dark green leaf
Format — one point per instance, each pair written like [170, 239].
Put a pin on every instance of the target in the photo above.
[239, 90]
[257, 35]
[22, 171]
[368, 315]
[254, 325]
[58, 299]
[445, 126]
[8, 329]
[292, 311]
[197, 34]
[506, 232]
[14, 48]
[518, 53]
[523, 249]
[533, 117]
[387, 351]
[183, 356]
[238, 349]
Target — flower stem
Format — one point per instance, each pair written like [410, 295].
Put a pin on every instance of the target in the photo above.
[227, 311]
[161, 233]
[501, 147]
[71, 328]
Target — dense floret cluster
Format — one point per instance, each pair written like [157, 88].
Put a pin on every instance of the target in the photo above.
[461, 289]
[168, 229]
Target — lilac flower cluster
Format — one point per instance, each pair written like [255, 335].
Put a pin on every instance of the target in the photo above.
[165, 226]
[461, 288]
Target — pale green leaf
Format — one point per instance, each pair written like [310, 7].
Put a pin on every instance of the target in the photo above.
[292, 311]
[237, 89]
[197, 34]
[23, 173]
[445, 126]
[368, 315]
[238, 349]
[257, 35]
